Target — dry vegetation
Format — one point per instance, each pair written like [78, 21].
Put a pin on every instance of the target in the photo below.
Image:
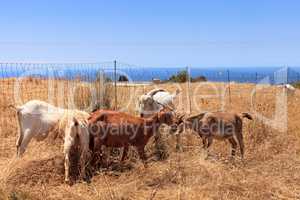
[271, 169]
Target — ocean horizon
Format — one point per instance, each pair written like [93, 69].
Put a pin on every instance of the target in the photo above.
[271, 75]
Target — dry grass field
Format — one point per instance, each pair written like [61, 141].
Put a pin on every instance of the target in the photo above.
[271, 169]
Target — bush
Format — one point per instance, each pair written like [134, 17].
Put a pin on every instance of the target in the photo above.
[181, 77]
[199, 79]
[297, 85]
[123, 78]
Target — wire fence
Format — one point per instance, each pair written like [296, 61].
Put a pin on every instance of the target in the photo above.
[92, 79]
[117, 85]
[136, 73]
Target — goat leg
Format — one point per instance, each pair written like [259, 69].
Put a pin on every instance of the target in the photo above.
[83, 158]
[204, 142]
[233, 146]
[67, 168]
[142, 155]
[124, 155]
[209, 142]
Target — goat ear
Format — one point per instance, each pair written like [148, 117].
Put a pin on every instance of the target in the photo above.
[76, 123]
[101, 118]
[181, 117]
[197, 116]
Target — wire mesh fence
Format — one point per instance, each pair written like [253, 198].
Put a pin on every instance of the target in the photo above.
[117, 85]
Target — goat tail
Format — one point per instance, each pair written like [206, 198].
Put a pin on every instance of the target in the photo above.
[21, 134]
[247, 115]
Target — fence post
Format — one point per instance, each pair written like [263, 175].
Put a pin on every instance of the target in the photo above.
[188, 80]
[229, 90]
[102, 87]
[254, 96]
[256, 77]
[115, 83]
[287, 74]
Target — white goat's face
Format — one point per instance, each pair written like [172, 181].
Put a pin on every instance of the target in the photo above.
[146, 102]
[147, 105]
[72, 128]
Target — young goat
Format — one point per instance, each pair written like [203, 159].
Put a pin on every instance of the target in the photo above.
[37, 118]
[118, 129]
[219, 125]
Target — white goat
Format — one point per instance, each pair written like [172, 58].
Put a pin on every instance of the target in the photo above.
[74, 124]
[155, 100]
[37, 118]
[288, 88]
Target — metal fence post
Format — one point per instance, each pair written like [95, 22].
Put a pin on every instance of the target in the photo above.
[256, 82]
[229, 90]
[102, 89]
[287, 74]
[115, 84]
[188, 80]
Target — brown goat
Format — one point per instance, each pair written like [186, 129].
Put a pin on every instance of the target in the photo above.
[119, 129]
[219, 125]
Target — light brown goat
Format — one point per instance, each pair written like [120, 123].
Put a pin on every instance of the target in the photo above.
[118, 129]
[219, 125]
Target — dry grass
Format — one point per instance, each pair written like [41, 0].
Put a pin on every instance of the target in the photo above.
[271, 169]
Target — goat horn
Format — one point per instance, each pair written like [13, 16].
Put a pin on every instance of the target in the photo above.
[165, 106]
[181, 116]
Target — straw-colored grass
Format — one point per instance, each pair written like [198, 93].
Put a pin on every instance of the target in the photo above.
[271, 169]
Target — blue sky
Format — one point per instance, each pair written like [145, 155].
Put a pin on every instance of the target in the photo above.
[153, 33]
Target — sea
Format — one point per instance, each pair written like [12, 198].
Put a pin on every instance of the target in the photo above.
[270, 75]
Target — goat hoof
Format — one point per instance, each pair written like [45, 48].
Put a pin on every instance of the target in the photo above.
[145, 165]
[68, 182]
[207, 156]
[178, 148]
[86, 180]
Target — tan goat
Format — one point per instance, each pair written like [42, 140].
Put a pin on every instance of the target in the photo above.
[219, 125]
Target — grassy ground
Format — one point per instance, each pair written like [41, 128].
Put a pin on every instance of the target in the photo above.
[271, 169]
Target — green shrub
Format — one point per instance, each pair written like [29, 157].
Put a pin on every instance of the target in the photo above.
[297, 85]
[199, 79]
[181, 77]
